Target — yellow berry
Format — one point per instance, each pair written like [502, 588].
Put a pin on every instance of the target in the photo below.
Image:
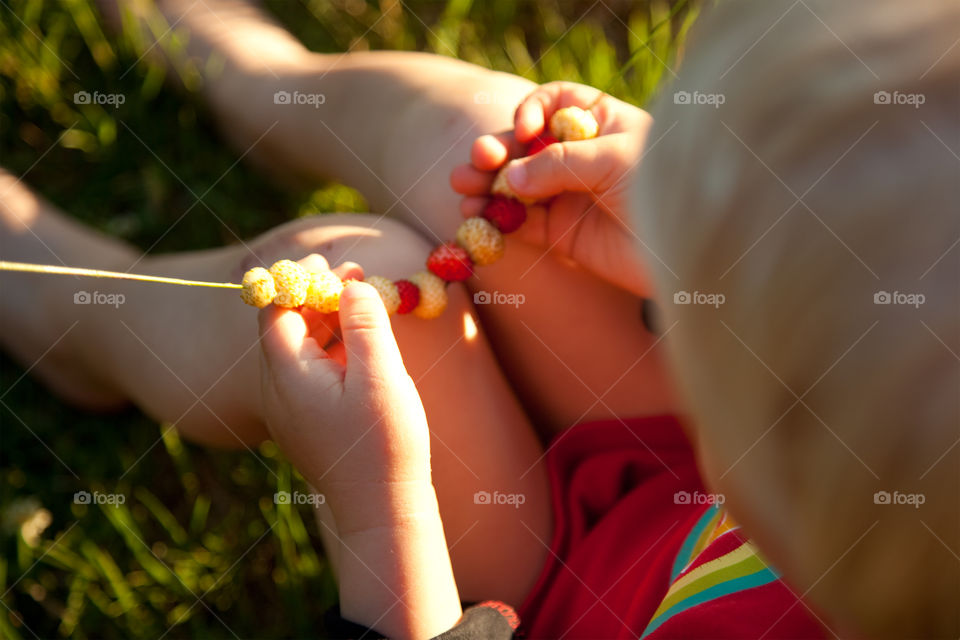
[388, 292]
[503, 188]
[573, 123]
[324, 291]
[291, 281]
[258, 288]
[433, 295]
[482, 241]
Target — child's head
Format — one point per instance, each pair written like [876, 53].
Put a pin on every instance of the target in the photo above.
[807, 170]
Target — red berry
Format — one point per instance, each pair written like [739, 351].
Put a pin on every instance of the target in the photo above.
[409, 296]
[540, 143]
[450, 262]
[505, 213]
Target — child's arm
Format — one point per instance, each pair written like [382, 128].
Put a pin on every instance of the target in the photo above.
[350, 419]
[582, 187]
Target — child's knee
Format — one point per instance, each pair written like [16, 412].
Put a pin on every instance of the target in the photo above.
[381, 245]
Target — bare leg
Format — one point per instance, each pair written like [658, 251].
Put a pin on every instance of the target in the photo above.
[190, 357]
[393, 125]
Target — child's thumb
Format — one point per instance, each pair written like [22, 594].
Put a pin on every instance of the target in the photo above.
[372, 350]
[584, 165]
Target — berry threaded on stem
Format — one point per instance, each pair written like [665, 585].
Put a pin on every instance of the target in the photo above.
[482, 241]
[506, 214]
[258, 288]
[323, 294]
[409, 296]
[292, 282]
[450, 262]
[573, 123]
[433, 295]
[388, 292]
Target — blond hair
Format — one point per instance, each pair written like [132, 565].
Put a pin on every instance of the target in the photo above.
[804, 167]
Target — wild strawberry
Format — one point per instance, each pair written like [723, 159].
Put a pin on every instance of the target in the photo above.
[292, 282]
[258, 288]
[323, 294]
[481, 240]
[433, 295]
[409, 296]
[573, 123]
[506, 214]
[450, 262]
[502, 187]
[540, 143]
[388, 292]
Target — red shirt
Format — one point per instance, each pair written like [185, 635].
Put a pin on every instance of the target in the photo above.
[641, 550]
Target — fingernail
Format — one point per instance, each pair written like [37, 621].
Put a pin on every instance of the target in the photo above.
[517, 175]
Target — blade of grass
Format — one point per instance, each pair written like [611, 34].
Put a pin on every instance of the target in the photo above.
[166, 519]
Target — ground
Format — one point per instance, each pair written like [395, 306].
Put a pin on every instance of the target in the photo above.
[198, 548]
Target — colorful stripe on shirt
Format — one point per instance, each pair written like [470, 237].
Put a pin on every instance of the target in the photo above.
[739, 569]
[712, 524]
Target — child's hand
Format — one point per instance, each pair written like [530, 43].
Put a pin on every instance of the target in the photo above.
[345, 412]
[588, 181]
[349, 418]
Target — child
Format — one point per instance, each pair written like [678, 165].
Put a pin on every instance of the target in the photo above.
[693, 574]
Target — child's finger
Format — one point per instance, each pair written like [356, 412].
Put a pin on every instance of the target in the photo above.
[586, 165]
[372, 352]
[530, 117]
[314, 262]
[349, 271]
[282, 334]
[320, 326]
[473, 206]
[467, 180]
[492, 150]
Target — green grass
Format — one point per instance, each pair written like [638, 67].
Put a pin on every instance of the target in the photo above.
[199, 549]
